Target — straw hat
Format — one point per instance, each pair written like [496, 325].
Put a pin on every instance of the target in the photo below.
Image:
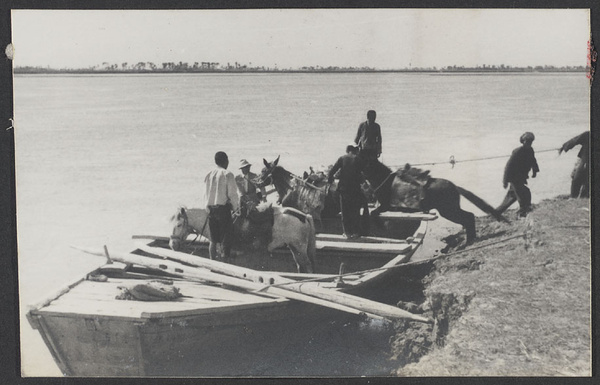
[244, 163]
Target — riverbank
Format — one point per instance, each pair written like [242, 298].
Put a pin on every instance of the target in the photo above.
[518, 307]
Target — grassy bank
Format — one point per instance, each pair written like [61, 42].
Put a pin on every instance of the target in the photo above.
[517, 303]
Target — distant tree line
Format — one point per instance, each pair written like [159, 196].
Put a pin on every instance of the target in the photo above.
[182, 67]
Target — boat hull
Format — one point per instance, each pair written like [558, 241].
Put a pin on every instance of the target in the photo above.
[239, 342]
[213, 330]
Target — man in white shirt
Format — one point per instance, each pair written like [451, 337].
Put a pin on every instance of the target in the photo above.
[221, 198]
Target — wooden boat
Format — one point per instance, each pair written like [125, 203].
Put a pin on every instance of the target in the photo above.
[233, 320]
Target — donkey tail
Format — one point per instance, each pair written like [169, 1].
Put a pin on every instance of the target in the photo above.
[481, 204]
[311, 249]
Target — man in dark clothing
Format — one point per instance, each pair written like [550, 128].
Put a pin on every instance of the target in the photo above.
[368, 137]
[516, 174]
[250, 195]
[580, 182]
[352, 198]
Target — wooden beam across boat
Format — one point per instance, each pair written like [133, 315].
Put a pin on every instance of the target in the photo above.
[363, 239]
[201, 273]
[364, 247]
[407, 216]
[274, 280]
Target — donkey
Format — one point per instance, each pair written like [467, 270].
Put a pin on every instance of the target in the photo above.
[298, 193]
[434, 193]
[283, 226]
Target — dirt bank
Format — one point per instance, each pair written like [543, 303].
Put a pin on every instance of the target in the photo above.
[517, 303]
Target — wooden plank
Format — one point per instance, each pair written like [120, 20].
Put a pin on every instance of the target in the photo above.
[200, 240]
[110, 297]
[303, 276]
[398, 215]
[57, 354]
[122, 308]
[140, 310]
[365, 239]
[364, 247]
[96, 345]
[214, 310]
[346, 300]
[98, 298]
[191, 291]
[195, 274]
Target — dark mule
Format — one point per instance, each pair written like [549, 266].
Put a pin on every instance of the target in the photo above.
[393, 189]
[300, 194]
[278, 226]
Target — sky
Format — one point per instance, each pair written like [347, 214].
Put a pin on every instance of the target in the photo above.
[293, 38]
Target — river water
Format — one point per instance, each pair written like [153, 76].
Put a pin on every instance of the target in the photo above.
[102, 157]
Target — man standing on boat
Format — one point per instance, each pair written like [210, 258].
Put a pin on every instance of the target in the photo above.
[516, 174]
[352, 198]
[250, 195]
[580, 177]
[221, 199]
[368, 137]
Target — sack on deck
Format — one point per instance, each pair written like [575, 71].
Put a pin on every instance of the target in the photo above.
[150, 291]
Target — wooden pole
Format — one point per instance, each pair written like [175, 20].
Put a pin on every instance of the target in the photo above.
[203, 275]
[271, 278]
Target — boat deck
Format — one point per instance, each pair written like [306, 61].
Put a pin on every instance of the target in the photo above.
[216, 329]
[98, 299]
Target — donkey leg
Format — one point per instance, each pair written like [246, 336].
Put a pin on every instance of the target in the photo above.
[303, 264]
[462, 217]
[469, 224]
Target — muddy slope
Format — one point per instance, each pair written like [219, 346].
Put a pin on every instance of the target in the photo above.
[516, 304]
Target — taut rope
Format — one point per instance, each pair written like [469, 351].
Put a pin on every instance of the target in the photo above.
[453, 161]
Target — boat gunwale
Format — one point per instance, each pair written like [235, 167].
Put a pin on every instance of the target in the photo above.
[354, 282]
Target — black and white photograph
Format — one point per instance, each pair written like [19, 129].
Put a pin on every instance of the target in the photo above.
[303, 192]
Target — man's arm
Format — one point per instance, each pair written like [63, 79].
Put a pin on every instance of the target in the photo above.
[239, 181]
[232, 192]
[263, 193]
[534, 165]
[508, 170]
[379, 140]
[569, 144]
[333, 170]
[358, 133]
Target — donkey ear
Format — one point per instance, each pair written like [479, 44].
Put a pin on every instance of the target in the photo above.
[276, 160]
[265, 162]
[181, 211]
[305, 175]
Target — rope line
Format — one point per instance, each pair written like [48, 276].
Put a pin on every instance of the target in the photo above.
[452, 161]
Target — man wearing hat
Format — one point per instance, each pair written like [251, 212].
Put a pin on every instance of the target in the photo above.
[250, 195]
[352, 199]
[516, 174]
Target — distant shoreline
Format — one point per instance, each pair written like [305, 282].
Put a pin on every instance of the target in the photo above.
[77, 72]
[493, 70]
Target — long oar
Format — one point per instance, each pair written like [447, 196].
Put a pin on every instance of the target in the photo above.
[199, 274]
[271, 278]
